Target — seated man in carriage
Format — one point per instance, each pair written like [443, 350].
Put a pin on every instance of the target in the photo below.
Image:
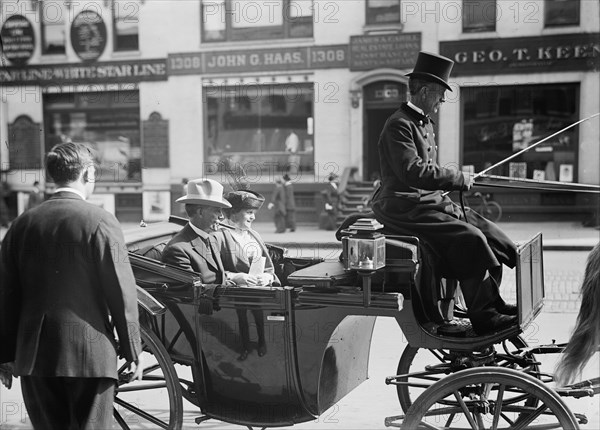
[411, 201]
[195, 248]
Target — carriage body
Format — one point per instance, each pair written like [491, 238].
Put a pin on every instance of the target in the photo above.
[317, 328]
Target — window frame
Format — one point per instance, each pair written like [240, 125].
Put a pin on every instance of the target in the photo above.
[474, 26]
[561, 23]
[369, 13]
[44, 26]
[231, 34]
[115, 18]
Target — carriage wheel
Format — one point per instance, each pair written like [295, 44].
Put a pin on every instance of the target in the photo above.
[481, 398]
[436, 364]
[155, 401]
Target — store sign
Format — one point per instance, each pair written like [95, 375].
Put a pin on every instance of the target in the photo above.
[565, 52]
[390, 50]
[88, 35]
[82, 74]
[240, 61]
[18, 40]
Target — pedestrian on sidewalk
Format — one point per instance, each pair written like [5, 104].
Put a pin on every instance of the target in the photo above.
[331, 197]
[277, 203]
[290, 203]
[65, 285]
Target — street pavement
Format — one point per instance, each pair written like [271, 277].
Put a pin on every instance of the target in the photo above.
[367, 406]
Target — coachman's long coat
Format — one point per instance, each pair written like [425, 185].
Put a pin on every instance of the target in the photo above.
[410, 201]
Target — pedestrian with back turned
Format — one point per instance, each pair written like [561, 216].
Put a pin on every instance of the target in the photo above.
[66, 285]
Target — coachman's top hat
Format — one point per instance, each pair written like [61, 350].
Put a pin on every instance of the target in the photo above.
[244, 199]
[205, 192]
[433, 68]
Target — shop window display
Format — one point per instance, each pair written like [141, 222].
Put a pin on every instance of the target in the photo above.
[109, 122]
[502, 120]
[267, 127]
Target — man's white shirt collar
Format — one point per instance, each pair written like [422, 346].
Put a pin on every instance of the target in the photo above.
[415, 108]
[70, 190]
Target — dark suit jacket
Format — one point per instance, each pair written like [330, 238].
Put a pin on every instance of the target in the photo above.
[189, 251]
[64, 270]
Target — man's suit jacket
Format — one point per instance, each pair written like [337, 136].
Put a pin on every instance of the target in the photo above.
[66, 281]
[187, 250]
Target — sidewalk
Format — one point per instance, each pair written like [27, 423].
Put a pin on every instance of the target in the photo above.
[555, 235]
[567, 236]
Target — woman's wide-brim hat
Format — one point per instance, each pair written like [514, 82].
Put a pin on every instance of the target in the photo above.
[433, 68]
[245, 199]
[205, 192]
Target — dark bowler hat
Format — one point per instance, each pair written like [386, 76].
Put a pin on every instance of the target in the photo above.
[245, 199]
[433, 68]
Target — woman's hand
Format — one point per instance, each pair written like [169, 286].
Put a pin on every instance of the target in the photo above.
[265, 279]
[244, 279]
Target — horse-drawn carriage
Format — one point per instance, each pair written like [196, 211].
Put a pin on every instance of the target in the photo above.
[313, 337]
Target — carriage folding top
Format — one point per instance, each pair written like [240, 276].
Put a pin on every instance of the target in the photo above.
[315, 331]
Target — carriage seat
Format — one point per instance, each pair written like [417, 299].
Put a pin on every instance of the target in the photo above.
[153, 251]
[411, 270]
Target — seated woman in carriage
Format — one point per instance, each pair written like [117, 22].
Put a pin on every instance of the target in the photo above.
[410, 201]
[244, 252]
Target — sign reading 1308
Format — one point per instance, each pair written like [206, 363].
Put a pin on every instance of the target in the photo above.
[185, 62]
[329, 56]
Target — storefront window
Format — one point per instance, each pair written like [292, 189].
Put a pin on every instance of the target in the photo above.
[224, 20]
[500, 121]
[125, 24]
[53, 18]
[109, 122]
[479, 15]
[383, 12]
[561, 12]
[263, 128]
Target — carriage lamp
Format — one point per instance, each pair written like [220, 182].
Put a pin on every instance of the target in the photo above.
[364, 248]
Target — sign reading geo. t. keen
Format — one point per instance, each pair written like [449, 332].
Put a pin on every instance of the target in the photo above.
[565, 52]
[18, 39]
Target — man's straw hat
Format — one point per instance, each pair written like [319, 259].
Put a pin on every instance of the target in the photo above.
[205, 192]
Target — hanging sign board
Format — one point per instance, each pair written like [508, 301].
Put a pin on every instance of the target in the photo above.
[18, 40]
[88, 35]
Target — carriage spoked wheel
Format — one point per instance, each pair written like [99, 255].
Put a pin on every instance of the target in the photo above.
[156, 400]
[435, 364]
[482, 398]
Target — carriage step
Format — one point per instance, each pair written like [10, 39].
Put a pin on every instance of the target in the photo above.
[201, 419]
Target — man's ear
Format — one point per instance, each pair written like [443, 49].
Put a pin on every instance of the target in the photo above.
[89, 174]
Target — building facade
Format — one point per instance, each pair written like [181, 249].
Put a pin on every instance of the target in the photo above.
[167, 90]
